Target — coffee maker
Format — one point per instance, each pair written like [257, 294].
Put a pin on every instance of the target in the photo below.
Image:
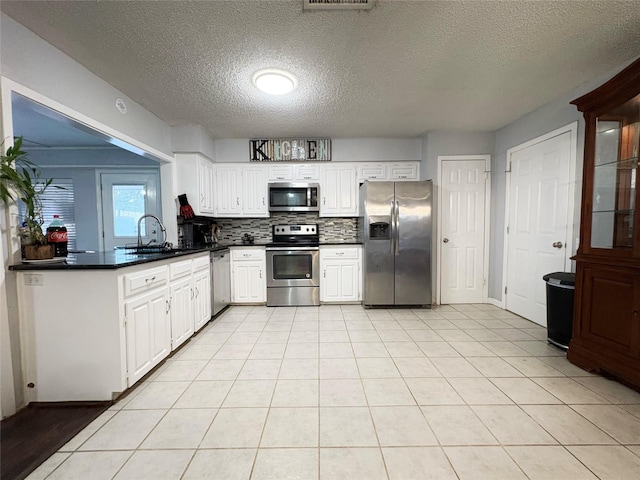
[195, 234]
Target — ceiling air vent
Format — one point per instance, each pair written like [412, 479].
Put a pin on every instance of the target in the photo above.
[337, 4]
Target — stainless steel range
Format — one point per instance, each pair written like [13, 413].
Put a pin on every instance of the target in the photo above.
[293, 266]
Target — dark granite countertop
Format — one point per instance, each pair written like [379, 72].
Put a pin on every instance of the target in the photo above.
[110, 260]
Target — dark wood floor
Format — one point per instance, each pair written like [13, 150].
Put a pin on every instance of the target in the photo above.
[36, 432]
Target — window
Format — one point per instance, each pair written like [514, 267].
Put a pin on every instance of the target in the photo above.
[58, 199]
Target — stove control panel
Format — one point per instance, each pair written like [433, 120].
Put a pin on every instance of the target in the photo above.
[295, 230]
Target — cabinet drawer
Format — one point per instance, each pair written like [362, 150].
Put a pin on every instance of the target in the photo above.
[200, 263]
[180, 269]
[247, 254]
[331, 252]
[145, 280]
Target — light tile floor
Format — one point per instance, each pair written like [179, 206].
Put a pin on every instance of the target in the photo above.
[339, 392]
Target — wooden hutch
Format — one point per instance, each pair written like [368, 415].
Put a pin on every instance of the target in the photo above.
[606, 323]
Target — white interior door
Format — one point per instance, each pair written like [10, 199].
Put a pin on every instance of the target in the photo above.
[462, 232]
[537, 228]
[125, 197]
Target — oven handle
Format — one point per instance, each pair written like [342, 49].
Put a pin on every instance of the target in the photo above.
[296, 249]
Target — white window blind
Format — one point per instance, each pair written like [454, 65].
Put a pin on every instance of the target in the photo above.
[58, 201]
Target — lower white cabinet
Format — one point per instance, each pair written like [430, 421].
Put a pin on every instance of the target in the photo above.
[341, 274]
[248, 275]
[148, 332]
[201, 297]
[120, 324]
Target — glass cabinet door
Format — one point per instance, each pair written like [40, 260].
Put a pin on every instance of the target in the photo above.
[614, 181]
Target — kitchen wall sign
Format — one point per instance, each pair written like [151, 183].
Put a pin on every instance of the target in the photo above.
[290, 150]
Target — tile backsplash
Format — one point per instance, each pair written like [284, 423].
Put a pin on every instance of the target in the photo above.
[331, 229]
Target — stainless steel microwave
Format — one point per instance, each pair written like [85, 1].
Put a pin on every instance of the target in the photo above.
[294, 197]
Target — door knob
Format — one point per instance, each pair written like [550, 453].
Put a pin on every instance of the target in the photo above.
[557, 245]
[445, 240]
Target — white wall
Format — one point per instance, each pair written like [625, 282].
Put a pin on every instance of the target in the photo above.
[28, 60]
[342, 149]
[547, 118]
[192, 139]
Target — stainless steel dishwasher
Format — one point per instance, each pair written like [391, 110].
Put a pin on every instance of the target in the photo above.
[220, 280]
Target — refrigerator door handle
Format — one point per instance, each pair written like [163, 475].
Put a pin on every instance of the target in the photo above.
[392, 244]
[396, 214]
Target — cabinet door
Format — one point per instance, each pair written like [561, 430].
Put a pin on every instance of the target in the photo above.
[254, 191]
[148, 332]
[371, 172]
[609, 309]
[340, 281]
[205, 185]
[280, 173]
[181, 294]
[306, 172]
[339, 191]
[249, 282]
[403, 171]
[202, 298]
[228, 185]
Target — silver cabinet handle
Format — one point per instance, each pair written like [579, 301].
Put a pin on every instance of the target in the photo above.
[263, 201]
[192, 294]
[325, 273]
[150, 280]
[445, 240]
[557, 245]
[168, 302]
[237, 200]
[197, 292]
[260, 273]
[339, 253]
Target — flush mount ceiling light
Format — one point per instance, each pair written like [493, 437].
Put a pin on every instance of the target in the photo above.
[274, 82]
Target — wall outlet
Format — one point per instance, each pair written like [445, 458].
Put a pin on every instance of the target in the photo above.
[34, 279]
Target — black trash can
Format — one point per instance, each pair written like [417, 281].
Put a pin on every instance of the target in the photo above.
[560, 289]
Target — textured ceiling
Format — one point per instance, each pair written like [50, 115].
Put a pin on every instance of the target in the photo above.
[398, 70]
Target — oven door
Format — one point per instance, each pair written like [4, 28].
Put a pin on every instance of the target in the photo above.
[293, 267]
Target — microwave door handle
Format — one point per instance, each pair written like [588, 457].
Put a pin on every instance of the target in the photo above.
[309, 197]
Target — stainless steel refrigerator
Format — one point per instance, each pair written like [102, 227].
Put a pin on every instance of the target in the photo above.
[395, 226]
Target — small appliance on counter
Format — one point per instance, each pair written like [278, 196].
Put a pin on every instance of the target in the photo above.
[247, 239]
[195, 234]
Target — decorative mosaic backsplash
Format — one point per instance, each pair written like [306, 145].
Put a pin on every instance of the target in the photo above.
[331, 229]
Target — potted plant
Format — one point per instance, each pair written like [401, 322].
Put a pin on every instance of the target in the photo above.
[20, 179]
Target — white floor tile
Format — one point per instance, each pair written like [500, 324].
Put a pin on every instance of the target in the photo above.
[351, 464]
[286, 463]
[204, 394]
[424, 463]
[511, 426]
[235, 428]
[483, 463]
[296, 393]
[608, 463]
[93, 465]
[180, 429]
[125, 430]
[250, 393]
[457, 425]
[291, 427]
[342, 393]
[549, 463]
[222, 464]
[387, 391]
[156, 465]
[346, 427]
[402, 427]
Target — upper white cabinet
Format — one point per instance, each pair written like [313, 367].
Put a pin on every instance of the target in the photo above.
[339, 191]
[403, 171]
[254, 191]
[280, 173]
[306, 172]
[240, 191]
[195, 177]
[371, 171]
[300, 172]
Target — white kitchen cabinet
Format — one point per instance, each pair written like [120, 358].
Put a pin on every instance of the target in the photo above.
[339, 191]
[147, 320]
[180, 301]
[195, 177]
[280, 173]
[248, 275]
[254, 191]
[306, 172]
[228, 190]
[201, 298]
[241, 191]
[341, 277]
[403, 171]
[148, 332]
[371, 172]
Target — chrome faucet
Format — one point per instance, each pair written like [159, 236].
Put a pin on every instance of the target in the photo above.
[162, 229]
